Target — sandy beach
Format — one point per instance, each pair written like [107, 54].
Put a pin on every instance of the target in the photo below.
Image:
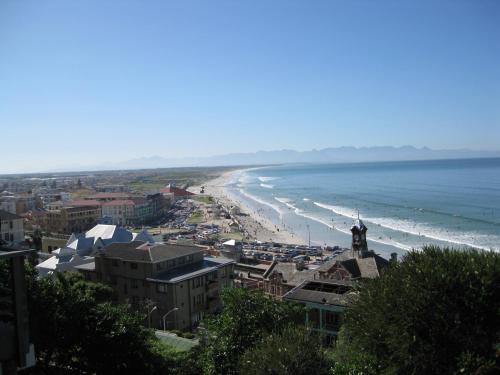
[257, 226]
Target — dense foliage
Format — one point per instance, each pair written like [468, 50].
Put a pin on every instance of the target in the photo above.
[436, 312]
[76, 330]
[248, 317]
[296, 350]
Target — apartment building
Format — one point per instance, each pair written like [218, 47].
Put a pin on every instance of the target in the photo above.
[11, 228]
[119, 212]
[70, 219]
[175, 285]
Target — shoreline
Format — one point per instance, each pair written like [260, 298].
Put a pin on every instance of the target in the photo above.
[262, 228]
[258, 227]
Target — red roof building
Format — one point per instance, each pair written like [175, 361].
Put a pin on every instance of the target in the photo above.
[177, 192]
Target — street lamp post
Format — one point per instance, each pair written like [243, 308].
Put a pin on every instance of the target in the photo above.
[165, 316]
[149, 315]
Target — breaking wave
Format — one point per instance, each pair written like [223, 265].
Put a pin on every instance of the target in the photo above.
[261, 201]
[266, 179]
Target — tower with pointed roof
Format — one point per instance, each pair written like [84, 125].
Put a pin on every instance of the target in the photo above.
[359, 244]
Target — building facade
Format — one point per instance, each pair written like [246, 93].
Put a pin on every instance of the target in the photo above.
[11, 228]
[175, 285]
[326, 302]
[70, 219]
[120, 212]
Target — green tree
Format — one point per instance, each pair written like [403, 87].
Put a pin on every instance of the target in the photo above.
[429, 314]
[296, 350]
[75, 330]
[247, 317]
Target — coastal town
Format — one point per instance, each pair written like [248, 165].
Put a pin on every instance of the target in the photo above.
[250, 187]
[171, 250]
[181, 238]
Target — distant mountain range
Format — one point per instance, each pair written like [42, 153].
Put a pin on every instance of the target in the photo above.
[326, 155]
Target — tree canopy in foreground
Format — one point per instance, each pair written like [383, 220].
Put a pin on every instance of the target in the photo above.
[436, 312]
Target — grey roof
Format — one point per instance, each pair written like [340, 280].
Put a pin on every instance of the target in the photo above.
[322, 292]
[142, 251]
[192, 270]
[368, 267]
[170, 251]
[352, 266]
[6, 215]
[290, 274]
[124, 250]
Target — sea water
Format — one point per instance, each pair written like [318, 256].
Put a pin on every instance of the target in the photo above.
[405, 205]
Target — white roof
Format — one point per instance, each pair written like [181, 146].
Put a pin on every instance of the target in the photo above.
[230, 243]
[80, 246]
[110, 232]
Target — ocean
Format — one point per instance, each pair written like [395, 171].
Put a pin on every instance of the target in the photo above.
[405, 205]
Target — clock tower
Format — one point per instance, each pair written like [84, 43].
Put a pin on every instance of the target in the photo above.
[359, 244]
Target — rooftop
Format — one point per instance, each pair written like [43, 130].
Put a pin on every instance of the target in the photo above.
[322, 292]
[5, 215]
[119, 202]
[176, 191]
[289, 272]
[146, 252]
[192, 270]
[83, 202]
[111, 195]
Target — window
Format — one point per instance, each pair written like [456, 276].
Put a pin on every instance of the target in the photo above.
[197, 282]
[112, 280]
[159, 266]
[189, 258]
[11, 224]
[161, 288]
[133, 284]
[223, 272]
[114, 262]
[133, 266]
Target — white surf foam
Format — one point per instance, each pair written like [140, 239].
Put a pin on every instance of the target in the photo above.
[261, 201]
[286, 202]
[306, 199]
[342, 211]
[410, 227]
[267, 186]
[266, 179]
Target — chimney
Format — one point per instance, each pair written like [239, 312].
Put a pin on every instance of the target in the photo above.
[394, 257]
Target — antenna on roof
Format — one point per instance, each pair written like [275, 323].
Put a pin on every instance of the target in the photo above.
[358, 212]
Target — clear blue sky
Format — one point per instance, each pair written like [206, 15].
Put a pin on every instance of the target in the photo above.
[110, 80]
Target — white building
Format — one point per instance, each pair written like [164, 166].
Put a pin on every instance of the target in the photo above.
[79, 248]
[120, 211]
[11, 228]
